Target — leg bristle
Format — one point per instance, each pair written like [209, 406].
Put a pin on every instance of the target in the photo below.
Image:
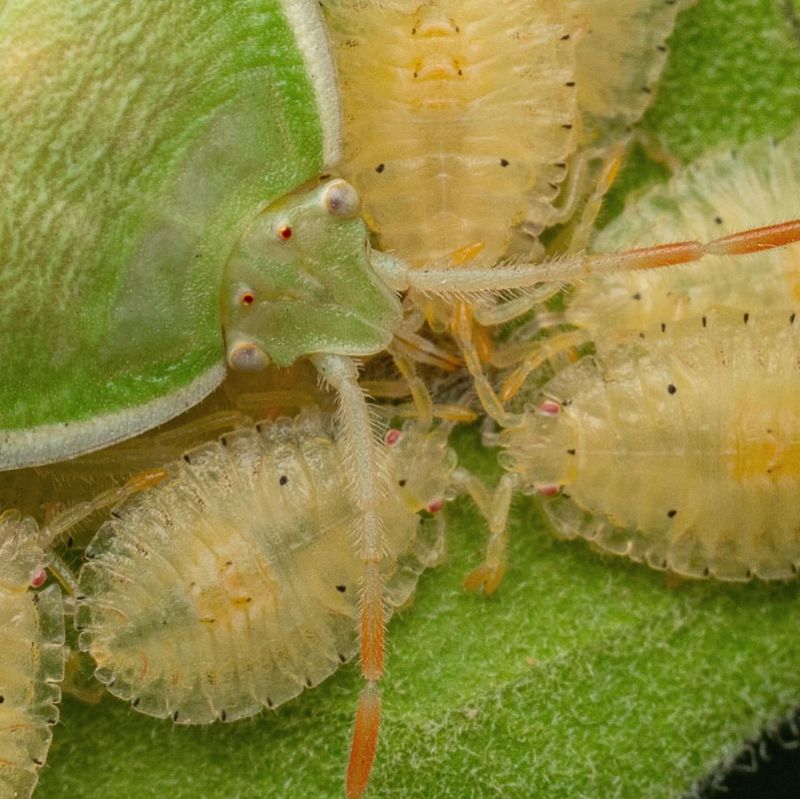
[365, 740]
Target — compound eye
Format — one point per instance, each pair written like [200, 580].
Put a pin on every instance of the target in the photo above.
[392, 436]
[341, 200]
[246, 297]
[247, 356]
[285, 232]
[38, 578]
[549, 408]
[548, 490]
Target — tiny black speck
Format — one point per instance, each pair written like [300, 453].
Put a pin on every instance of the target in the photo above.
[341, 588]
[283, 480]
[380, 168]
[504, 162]
[402, 482]
[672, 513]
[636, 296]
[570, 452]
[671, 388]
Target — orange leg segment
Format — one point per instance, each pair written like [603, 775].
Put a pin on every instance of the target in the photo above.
[742, 243]
[571, 269]
[756, 240]
[368, 715]
[365, 741]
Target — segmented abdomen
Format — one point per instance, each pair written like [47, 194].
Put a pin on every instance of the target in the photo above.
[621, 50]
[757, 184]
[31, 659]
[682, 449]
[234, 585]
[458, 113]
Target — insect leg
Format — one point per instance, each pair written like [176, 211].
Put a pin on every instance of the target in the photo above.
[462, 331]
[601, 176]
[77, 513]
[494, 507]
[366, 462]
[424, 351]
[540, 351]
[419, 391]
[491, 315]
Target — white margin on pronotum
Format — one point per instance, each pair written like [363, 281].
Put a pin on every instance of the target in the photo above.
[48, 443]
[305, 19]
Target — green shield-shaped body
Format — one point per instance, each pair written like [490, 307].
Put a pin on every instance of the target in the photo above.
[138, 141]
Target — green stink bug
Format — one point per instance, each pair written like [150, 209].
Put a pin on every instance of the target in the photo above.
[149, 235]
[132, 159]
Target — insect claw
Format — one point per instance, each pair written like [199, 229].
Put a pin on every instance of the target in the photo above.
[485, 579]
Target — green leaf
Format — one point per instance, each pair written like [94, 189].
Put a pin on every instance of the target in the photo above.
[585, 676]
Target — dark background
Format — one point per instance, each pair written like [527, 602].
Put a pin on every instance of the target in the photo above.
[767, 769]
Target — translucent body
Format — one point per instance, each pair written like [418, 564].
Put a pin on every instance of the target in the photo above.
[234, 585]
[460, 116]
[443, 101]
[42, 490]
[32, 647]
[681, 449]
[754, 185]
[620, 52]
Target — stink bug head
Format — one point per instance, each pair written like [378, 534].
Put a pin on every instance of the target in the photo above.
[119, 252]
[300, 282]
[421, 466]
